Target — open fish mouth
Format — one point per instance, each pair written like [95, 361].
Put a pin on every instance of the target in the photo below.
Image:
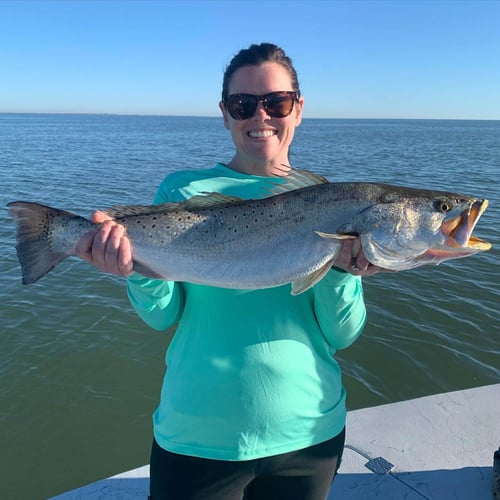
[458, 231]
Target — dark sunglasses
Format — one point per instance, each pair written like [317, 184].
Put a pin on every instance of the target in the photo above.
[277, 104]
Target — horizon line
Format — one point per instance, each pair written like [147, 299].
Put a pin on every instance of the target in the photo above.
[79, 113]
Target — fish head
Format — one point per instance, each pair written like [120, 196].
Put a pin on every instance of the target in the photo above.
[408, 228]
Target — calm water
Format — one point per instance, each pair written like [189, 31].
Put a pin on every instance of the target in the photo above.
[80, 374]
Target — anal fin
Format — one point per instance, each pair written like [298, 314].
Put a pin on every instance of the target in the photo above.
[146, 271]
[303, 284]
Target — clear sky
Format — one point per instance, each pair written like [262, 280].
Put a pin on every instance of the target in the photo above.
[355, 59]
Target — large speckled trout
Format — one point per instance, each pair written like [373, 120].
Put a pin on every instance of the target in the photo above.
[291, 236]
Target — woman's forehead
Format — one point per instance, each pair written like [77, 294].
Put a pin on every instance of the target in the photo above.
[261, 79]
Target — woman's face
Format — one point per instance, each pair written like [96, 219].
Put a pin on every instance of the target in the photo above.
[261, 141]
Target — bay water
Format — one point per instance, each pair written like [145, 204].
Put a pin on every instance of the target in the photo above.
[81, 374]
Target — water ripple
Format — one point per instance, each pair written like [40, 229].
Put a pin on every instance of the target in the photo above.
[75, 356]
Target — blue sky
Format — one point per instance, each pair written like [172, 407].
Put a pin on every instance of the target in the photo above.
[355, 59]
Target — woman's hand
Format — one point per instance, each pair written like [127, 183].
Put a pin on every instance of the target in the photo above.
[107, 248]
[353, 260]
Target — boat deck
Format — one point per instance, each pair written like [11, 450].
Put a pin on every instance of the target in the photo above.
[437, 447]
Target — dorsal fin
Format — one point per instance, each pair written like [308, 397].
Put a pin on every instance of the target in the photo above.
[304, 178]
[208, 200]
[296, 179]
[199, 201]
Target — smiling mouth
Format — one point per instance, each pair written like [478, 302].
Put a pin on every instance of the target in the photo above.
[258, 134]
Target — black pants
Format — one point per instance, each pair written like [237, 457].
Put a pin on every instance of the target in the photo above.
[302, 475]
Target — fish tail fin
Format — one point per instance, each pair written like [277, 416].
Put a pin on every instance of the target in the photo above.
[34, 244]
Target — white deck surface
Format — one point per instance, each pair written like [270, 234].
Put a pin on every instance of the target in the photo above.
[441, 447]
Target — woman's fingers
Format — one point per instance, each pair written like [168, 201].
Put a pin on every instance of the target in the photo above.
[98, 216]
[353, 260]
[107, 247]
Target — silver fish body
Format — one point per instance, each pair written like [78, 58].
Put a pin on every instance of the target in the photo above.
[292, 236]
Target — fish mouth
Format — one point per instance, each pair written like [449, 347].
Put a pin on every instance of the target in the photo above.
[458, 231]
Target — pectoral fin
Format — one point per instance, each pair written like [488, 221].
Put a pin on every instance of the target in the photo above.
[336, 236]
[303, 284]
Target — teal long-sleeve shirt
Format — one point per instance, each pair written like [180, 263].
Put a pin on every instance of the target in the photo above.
[251, 373]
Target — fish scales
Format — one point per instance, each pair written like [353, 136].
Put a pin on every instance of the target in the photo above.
[291, 236]
[235, 243]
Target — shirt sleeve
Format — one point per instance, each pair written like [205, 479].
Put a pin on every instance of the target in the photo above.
[340, 308]
[159, 303]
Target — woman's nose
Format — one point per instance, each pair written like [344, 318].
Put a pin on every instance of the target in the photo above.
[261, 112]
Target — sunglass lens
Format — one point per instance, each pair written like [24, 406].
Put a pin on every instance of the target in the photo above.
[279, 104]
[241, 106]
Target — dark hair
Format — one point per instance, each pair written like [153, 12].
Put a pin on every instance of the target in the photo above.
[256, 55]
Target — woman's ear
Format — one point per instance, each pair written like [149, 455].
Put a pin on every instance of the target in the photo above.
[224, 114]
[298, 111]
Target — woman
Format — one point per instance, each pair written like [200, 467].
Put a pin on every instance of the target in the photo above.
[252, 405]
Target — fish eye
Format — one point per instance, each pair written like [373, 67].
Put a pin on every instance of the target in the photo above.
[444, 205]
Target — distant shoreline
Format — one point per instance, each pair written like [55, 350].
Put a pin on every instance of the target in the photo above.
[9, 113]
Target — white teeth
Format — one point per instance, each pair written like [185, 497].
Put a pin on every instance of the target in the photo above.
[261, 133]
